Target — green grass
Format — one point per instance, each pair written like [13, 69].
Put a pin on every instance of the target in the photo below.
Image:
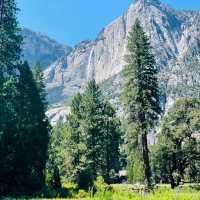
[163, 193]
[133, 196]
[127, 192]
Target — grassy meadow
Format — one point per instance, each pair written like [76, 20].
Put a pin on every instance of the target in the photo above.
[126, 192]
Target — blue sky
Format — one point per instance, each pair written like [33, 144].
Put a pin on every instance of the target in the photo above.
[71, 21]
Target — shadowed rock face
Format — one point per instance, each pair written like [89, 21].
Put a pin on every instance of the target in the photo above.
[174, 35]
[40, 48]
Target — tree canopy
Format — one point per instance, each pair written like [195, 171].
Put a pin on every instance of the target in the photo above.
[140, 97]
[178, 147]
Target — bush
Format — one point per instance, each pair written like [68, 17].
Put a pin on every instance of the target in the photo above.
[82, 194]
[50, 192]
[71, 188]
[100, 185]
[135, 172]
[85, 179]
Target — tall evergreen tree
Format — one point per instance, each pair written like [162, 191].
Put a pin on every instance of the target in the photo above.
[10, 52]
[141, 96]
[101, 129]
[39, 79]
[8, 134]
[90, 137]
[58, 156]
[67, 147]
[92, 124]
[110, 141]
[33, 128]
[10, 38]
[24, 138]
[23, 124]
[77, 147]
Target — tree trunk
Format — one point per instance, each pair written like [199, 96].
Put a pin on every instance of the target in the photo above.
[146, 165]
[107, 159]
[172, 182]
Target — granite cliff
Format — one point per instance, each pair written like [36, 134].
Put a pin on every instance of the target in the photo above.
[174, 36]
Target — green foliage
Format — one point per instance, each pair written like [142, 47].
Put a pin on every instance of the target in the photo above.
[140, 96]
[22, 146]
[125, 192]
[31, 119]
[23, 125]
[56, 182]
[135, 171]
[162, 193]
[58, 153]
[82, 194]
[87, 145]
[101, 130]
[39, 80]
[10, 52]
[10, 38]
[100, 185]
[178, 145]
[49, 192]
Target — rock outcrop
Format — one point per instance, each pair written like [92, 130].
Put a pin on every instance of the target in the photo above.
[40, 48]
[173, 34]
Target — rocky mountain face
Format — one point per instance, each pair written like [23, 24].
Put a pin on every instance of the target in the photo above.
[174, 36]
[40, 48]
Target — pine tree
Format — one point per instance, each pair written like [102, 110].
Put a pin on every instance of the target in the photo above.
[101, 129]
[140, 95]
[10, 52]
[8, 134]
[23, 124]
[91, 138]
[10, 38]
[34, 127]
[67, 149]
[39, 79]
[91, 125]
[77, 146]
[110, 141]
[58, 154]
[24, 136]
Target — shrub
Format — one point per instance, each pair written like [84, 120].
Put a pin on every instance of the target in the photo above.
[71, 188]
[82, 194]
[100, 185]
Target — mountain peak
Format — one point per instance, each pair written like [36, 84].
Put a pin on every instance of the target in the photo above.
[154, 2]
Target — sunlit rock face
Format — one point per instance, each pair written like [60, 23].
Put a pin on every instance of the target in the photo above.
[173, 34]
[70, 73]
[57, 113]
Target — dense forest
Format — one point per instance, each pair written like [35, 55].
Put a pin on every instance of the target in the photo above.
[93, 144]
